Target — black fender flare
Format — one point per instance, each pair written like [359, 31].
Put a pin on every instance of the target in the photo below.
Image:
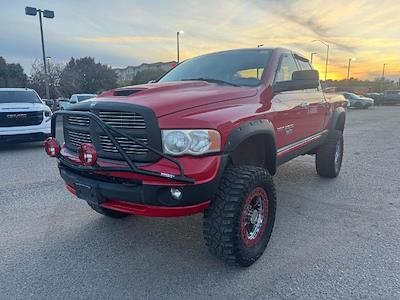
[248, 129]
[339, 115]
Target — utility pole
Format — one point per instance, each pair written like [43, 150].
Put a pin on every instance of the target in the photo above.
[348, 67]
[383, 71]
[327, 57]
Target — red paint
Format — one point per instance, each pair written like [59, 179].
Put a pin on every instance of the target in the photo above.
[87, 154]
[202, 169]
[150, 210]
[199, 104]
[51, 147]
[155, 211]
[244, 218]
[71, 189]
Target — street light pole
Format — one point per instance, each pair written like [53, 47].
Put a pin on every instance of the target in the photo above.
[32, 11]
[312, 55]
[327, 56]
[46, 77]
[348, 67]
[178, 33]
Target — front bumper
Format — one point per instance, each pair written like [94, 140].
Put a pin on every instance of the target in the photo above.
[135, 194]
[21, 138]
[31, 133]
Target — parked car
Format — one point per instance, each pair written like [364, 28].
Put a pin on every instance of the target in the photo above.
[358, 101]
[23, 116]
[376, 96]
[75, 98]
[207, 137]
[391, 97]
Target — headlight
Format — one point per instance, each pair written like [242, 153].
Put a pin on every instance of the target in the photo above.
[47, 113]
[191, 142]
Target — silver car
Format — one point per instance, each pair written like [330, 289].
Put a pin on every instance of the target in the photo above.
[358, 101]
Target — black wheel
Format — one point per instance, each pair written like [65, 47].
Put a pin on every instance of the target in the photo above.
[357, 105]
[238, 224]
[107, 212]
[329, 156]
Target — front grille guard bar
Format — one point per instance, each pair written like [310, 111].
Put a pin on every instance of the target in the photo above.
[108, 130]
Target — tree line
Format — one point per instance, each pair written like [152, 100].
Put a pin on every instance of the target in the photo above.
[79, 75]
[85, 75]
[82, 75]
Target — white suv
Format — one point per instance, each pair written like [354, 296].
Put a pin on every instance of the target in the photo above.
[23, 116]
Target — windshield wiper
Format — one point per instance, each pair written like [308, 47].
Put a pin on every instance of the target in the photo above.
[213, 80]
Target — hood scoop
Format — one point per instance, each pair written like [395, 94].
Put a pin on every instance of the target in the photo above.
[126, 92]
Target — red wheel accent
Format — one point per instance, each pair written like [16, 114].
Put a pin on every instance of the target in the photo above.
[254, 217]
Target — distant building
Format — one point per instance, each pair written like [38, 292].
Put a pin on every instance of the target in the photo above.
[128, 74]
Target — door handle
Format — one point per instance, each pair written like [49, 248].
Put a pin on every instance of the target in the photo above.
[304, 105]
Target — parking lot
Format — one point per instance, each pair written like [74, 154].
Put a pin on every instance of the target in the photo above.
[332, 238]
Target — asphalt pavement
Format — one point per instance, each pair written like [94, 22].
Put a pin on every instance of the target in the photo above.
[333, 238]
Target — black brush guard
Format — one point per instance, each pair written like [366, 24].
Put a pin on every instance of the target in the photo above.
[108, 130]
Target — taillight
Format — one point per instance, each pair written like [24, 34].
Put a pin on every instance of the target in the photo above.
[52, 147]
[87, 154]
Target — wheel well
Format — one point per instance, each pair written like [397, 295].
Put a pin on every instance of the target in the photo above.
[340, 122]
[258, 150]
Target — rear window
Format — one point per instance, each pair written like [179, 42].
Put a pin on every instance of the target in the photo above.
[19, 97]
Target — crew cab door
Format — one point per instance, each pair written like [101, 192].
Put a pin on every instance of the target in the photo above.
[315, 101]
[291, 119]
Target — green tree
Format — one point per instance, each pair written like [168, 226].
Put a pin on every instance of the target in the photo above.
[84, 75]
[37, 76]
[12, 75]
[146, 75]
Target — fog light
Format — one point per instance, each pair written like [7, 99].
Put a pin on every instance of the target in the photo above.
[176, 194]
[51, 147]
[87, 154]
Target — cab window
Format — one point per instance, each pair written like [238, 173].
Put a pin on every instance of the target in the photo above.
[251, 73]
[286, 68]
[303, 64]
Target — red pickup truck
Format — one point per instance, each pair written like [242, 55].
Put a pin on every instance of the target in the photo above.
[206, 137]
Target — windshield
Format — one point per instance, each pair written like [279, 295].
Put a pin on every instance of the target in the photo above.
[19, 97]
[350, 96]
[237, 67]
[81, 98]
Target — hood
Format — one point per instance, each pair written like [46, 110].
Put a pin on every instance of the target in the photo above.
[167, 98]
[367, 99]
[14, 107]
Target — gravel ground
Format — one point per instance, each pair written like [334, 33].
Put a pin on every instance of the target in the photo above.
[333, 239]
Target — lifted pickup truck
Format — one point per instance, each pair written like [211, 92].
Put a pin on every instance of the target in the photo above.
[206, 137]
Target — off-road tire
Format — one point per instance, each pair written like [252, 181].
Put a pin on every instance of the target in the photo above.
[107, 212]
[222, 225]
[326, 162]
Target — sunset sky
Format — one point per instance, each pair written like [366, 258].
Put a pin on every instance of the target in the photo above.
[122, 32]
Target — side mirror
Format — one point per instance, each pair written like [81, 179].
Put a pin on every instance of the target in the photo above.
[301, 80]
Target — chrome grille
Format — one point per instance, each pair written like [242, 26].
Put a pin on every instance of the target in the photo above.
[116, 119]
[76, 138]
[129, 146]
[78, 121]
[124, 120]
